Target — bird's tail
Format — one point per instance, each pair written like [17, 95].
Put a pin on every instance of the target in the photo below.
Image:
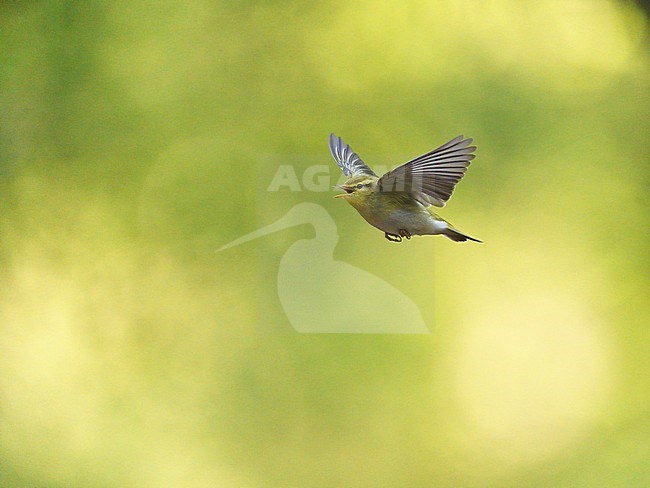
[457, 236]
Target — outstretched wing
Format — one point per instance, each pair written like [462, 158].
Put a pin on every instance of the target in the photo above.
[431, 178]
[347, 159]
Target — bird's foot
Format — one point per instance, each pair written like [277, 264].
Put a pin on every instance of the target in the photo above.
[404, 233]
[392, 237]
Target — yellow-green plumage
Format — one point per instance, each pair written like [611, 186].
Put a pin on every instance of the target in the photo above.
[399, 203]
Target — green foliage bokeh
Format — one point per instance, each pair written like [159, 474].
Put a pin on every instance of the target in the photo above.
[138, 137]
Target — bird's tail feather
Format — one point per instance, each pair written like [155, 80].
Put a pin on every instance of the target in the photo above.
[457, 236]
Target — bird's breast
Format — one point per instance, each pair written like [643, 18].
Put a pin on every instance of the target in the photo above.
[413, 218]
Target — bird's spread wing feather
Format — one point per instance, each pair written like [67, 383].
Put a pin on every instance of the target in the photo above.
[431, 178]
[347, 159]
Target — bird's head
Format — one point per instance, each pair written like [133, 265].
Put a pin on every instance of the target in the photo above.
[358, 188]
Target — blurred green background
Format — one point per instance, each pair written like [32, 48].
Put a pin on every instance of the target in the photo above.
[138, 137]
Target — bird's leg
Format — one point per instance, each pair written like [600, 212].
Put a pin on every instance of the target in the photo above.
[405, 233]
[392, 237]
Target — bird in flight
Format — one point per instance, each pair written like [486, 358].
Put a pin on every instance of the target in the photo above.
[400, 202]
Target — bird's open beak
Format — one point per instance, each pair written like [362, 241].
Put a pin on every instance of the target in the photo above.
[347, 190]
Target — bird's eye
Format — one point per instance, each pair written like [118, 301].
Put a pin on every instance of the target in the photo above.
[359, 186]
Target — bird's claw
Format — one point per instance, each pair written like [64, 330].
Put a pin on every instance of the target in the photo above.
[398, 237]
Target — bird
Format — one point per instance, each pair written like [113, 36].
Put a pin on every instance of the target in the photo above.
[400, 203]
[320, 294]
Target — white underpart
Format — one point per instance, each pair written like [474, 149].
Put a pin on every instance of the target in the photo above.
[415, 223]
